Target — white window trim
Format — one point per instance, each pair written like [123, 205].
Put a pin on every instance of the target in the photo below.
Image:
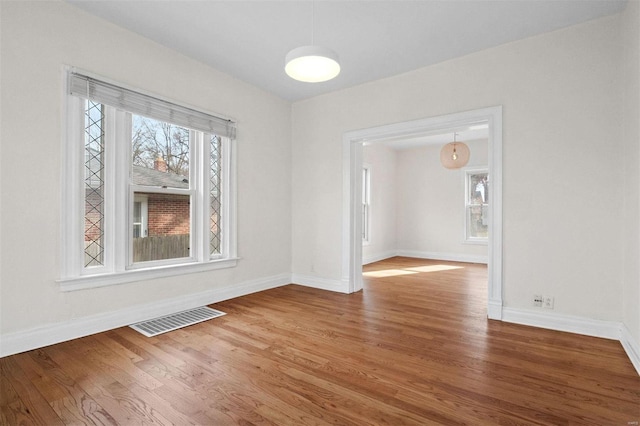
[366, 238]
[133, 275]
[119, 269]
[228, 239]
[466, 239]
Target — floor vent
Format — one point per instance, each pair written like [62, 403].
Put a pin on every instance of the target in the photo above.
[175, 321]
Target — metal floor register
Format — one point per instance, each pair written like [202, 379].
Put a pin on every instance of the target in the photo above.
[172, 322]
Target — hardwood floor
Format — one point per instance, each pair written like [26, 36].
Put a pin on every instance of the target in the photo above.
[413, 348]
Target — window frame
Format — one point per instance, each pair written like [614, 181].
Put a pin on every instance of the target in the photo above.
[143, 199]
[119, 199]
[467, 173]
[366, 204]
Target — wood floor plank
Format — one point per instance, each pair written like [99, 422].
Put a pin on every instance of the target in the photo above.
[227, 380]
[72, 404]
[31, 407]
[413, 348]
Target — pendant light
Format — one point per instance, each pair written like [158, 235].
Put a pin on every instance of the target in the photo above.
[454, 154]
[312, 64]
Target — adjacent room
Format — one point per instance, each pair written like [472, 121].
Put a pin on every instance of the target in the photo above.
[414, 206]
[196, 229]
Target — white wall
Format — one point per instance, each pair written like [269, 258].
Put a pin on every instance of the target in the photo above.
[431, 212]
[631, 136]
[562, 150]
[383, 240]
[38, 38]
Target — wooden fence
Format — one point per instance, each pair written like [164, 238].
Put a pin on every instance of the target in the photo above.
[149, 248]
[157, 248]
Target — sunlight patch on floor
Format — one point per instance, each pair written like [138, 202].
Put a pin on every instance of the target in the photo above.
[388, 273]
[408, 271]
[434, 268]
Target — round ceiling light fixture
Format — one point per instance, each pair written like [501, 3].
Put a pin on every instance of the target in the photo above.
[454, 155]
[312, 64]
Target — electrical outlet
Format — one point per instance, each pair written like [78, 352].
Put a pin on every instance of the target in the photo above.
[537, 300]
[547, 302]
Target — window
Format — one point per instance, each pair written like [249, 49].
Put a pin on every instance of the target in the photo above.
[366, 203]
[148, 187]
[476, 205]
[140, 216]
[162, 189]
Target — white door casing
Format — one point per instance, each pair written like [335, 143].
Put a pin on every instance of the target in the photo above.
[352, 187]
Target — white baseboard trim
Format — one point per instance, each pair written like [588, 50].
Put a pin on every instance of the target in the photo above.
[378, 257]
[50, 334]
[589, 327]
[494, 309]
[320, 283]
[452, 257]
[631, 347]
[558, 322]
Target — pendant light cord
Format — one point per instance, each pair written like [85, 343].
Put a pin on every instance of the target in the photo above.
[313, 22]
[454, 155]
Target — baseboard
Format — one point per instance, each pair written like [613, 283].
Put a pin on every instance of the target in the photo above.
[378, 257]
[78, 327]
[494, 309]
[631, 347]
[320, 283]
[451, 257]
[558, 322]
[589, 327]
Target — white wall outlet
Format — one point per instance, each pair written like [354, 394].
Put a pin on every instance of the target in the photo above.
[547, 302]
[537, 300]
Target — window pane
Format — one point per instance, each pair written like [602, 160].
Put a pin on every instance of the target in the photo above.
[168, 227]
[477, 221]
[365, 222]
[137, 219]
[160, 158]
[160, 153]
[94, 185]
[366, 194]
[215, 195]
[477, 205]
[478, 188]
[364, 185]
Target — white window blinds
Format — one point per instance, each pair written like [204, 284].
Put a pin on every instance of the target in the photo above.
[99, 91]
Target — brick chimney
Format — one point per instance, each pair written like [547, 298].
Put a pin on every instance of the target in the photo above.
[160, 165]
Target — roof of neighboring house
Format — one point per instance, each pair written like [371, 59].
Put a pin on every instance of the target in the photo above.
[151, 177]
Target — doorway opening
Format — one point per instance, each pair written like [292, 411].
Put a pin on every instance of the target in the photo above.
[353, 143]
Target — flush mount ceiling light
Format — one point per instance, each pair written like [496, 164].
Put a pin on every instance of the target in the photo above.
[454, 154]
[312, 64]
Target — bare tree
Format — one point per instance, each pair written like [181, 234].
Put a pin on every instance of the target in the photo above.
[152, 139]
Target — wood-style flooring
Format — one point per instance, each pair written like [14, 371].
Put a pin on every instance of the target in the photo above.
[413, 348]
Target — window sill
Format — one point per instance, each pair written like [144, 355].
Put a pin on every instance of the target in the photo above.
[102, 280]
[480, 242]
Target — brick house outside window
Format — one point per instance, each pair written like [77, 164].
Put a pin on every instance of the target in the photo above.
[155, 215]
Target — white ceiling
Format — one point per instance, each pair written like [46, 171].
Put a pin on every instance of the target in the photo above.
[437, 137]
[374, 39]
